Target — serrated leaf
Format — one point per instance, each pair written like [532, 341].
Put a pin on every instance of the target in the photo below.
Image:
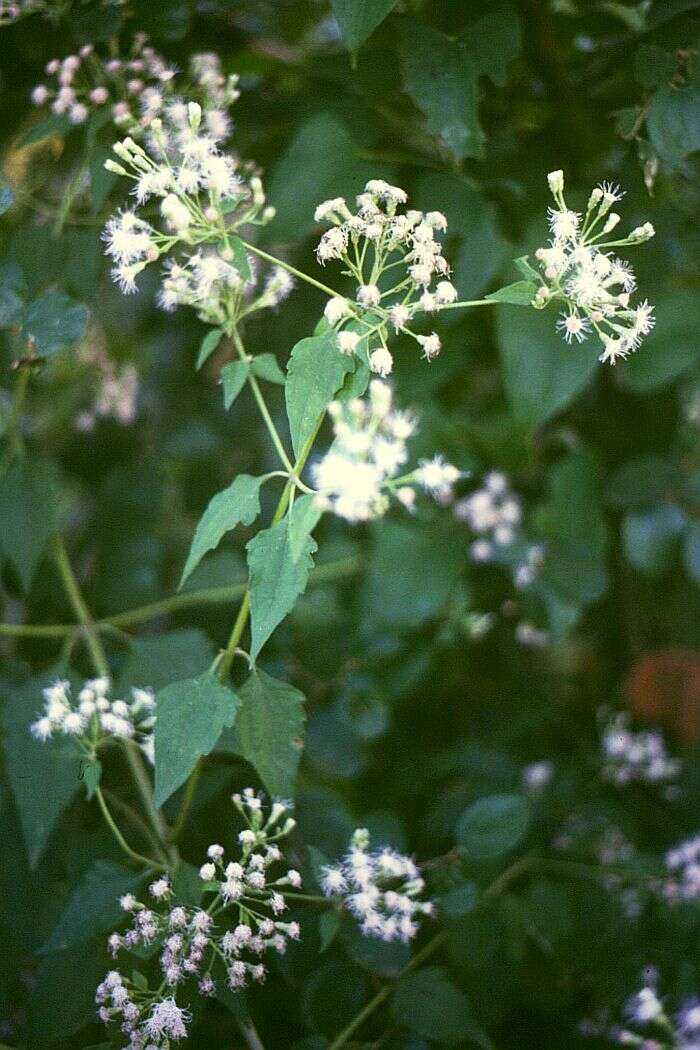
[93, 907]
[53, 322]
[520, 293]
[208, 346]
[27, 510]
[315, 373]
[270, 731]
[441, 78]
[239, 504]
[302, 519]
[358, 19]
[265, 366]
[493, 826]
[277, 578]
[542, 374]
[234, 376]
[44, 776]
[191, 716]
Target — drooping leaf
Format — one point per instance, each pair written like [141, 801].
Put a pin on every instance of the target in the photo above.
[265, 366]
[315, 373]
[269, 731]
[277, 579]
[28, 513]
[359, 18]
[441, 78]
[191, 716]
[53, 322]
[208, 346]
[238, 504]
[93, 907]
[492, 826]
[521, 293]
[542, 374]
[155, 660]
[44, 776]
[430, 1003]
[234, 376]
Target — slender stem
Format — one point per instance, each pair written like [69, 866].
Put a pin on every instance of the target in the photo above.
[80, 609]
[235, 637]
[250, 1034]
[467, 302]
[124, 845]
[258, 395]
[25, 630]
[136, 819]
[291, 269]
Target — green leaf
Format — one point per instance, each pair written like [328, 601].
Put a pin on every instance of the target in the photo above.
[691, 551]
[7, 198]
[458, 901]
[524, 267]
[234, 375]
[44, 776]
[239, 504]
[650, 539]
[63, 1000]
[240, 257]
[492, 826]
[654, 66]
[156, 660]
[302, 519]
[265, 366]
[56, 124]
[270, 731]
[28, 513]
[53, 322]
[91, 775]
[328, 928]
[208, 346]
[673, 122]
[670, 350]
[542, 374]
[93, 907]
[441, 78]
[191, 716]
[521, 293]
[430, 1003]
[644, 482]
[277, 578]
[494, 40]
[358, 19]
[338, 170]
[315, 373]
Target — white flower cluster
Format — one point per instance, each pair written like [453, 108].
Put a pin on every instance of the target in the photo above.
[371, 244]
[357, 476]
[380, 888]
[204, 195]
[117, 390]
[94, 716]
[580, 270]
[683, 864]
[494, 513]
[137, 88]
[649, 1025]
[635, 756]
[227, 939]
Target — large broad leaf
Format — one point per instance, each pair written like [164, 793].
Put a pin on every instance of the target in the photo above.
[430, 1003]
[359, 18]
[670, 350]
[542, 374]
[270, 731]
[156, 660]
[239, 504]
[93, 907]
[54, 322]
[315, 373]
[494, 40]
[277, 578]
[493, 826]
[442, 79]
[44, 776]
[191, 716]
[673, 122]
[650, 538]
[338, 170]
[63, 1000]
[28, 514]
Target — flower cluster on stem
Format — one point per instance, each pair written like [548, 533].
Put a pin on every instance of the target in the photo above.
[635, 756]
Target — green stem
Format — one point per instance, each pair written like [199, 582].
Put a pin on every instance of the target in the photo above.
[136, 819]
[250, 1034]
[467, 302]
[258, 395]
[291, 269]
[124, 845]
[234, 638]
